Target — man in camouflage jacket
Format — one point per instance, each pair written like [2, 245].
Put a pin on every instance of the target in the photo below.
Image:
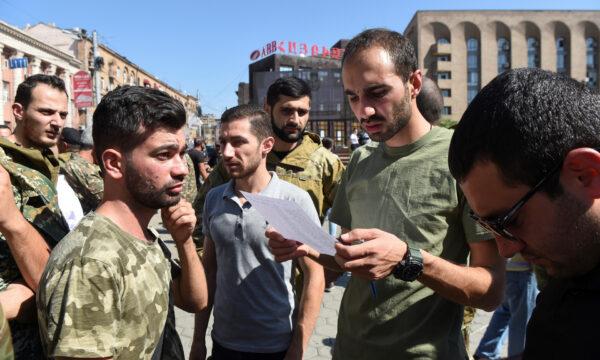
[109, 284]
[82, 174]
[31, 223]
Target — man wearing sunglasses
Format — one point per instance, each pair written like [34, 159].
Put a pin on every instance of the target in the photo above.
[526, 156]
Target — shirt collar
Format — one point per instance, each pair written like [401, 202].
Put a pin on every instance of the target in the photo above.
[270, 189]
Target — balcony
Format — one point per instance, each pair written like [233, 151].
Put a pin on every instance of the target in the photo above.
[444, 83]
[443, 65]
[442, 49]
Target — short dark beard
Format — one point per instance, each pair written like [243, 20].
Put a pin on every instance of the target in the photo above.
[401, 114]
[290, 139]
[146, 194]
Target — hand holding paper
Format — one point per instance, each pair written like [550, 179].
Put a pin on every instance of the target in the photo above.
[292, 223]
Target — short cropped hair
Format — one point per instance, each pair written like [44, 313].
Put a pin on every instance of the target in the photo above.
[430, 101]
[198, 142]
[127, 115]
[23, 95]
[525, 121]
[288, 86]
[400, 49]
[260, 122]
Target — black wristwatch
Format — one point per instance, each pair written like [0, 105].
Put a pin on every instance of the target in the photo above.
[409, 268]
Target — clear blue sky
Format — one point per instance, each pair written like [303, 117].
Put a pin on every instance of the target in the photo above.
[204, 46]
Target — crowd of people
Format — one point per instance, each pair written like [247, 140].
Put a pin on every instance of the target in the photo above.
[427, 215]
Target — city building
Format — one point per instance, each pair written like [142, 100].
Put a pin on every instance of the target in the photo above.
[330, 114]
[464, 50]
[209, 128]
[115, 69]
[22, 55]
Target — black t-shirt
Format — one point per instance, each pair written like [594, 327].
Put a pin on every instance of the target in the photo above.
[197, 157]
[566, 321]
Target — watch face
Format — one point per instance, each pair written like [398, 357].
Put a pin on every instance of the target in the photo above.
[411, 272]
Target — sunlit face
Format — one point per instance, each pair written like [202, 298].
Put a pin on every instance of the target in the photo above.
[39, 125]
[155, 169]
[289, 117]
[379, 98]
[556, 234]
[241, 150]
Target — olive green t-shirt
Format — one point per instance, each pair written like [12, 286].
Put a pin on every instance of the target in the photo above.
[104, 293]
[409, 192]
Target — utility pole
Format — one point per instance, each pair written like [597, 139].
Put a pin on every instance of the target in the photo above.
[97, 65]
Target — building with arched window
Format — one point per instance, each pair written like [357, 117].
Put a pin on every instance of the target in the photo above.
[463, 50]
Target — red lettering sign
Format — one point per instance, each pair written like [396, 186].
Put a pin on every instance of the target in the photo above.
[294, 48]
[303, 49]
[291, 47]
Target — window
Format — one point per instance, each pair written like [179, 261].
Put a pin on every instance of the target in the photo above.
[443, 75]
[338, 107]
[591, 62]
[533, 52]
[561, 56]
[442, 41]
[447, 110]
[472, 68]
[444, 58]
[503, 55]
[5, 89]
[446, 92]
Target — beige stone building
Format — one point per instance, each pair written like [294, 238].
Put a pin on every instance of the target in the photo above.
[40, 58]
[464, 50]
[115, 69]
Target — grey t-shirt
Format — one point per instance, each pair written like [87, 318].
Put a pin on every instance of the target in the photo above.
[254, 299]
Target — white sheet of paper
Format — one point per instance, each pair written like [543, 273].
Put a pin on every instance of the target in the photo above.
[292, 222]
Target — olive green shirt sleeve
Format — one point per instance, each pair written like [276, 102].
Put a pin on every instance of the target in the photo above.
[331, 180]
[340, 209]
[83, 310]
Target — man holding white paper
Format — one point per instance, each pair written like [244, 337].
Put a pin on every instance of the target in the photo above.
[251, 293]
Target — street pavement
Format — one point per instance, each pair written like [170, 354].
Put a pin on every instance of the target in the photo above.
[323, 338]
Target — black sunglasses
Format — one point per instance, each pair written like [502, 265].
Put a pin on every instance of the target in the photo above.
[498, 224]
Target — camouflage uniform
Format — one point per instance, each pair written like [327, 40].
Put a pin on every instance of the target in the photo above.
[85, 179]
[33, 176]
[6, 349]
[104, 293]
[309, 166]
[190, 190]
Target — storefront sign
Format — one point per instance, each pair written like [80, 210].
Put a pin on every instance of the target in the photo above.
[297, 48]
[82, 89]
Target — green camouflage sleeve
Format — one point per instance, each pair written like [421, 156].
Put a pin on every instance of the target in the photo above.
[190, 190]
[83, 310]
[6, 348]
